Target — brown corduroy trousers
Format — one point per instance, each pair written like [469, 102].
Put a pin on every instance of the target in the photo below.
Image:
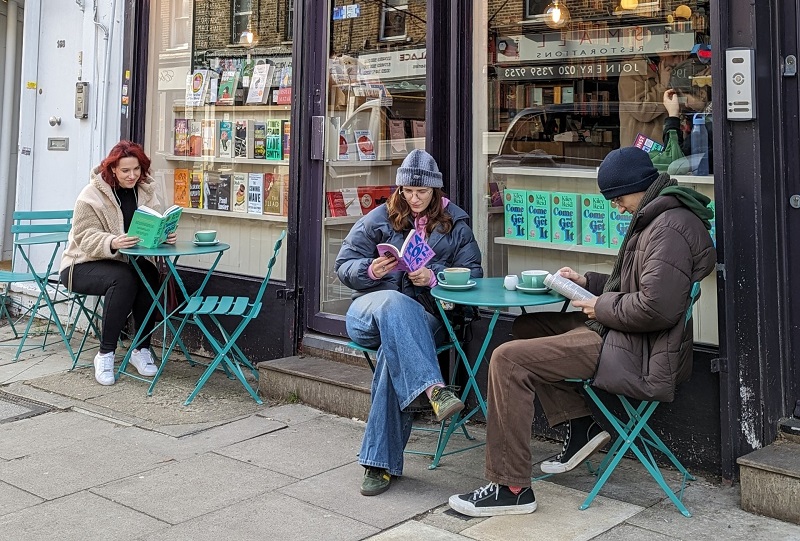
[548, 348]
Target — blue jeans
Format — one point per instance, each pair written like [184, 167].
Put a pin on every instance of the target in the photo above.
[405, 336]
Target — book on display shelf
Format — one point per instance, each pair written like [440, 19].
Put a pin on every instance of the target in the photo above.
[180, 145]
[225, 143]
[273, 194]
[260, 83]
[352, 204]
[239, 192]
[397, 135]
[224, 191]
[209, 131]
[274, 140]
[365, 145]
[211, 190]
[195, 147]
[227, 88]
[196, 189]
[255, 193]
[336, 206]
[243, 139]
[287, 135]
[181, 187]
[259, 140]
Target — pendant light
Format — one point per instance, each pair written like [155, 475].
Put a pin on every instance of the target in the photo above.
[556, 15]
[248, 37]
[629, 4]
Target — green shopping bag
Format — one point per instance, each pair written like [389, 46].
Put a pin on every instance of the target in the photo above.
[662, 160]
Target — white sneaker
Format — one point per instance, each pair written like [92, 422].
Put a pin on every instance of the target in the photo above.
[104, 368]
[143, 361]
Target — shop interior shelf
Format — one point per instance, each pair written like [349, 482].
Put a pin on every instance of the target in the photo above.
[584, 173]
[560, 247]
[236, 215]
[341, 220]
[217, 159]
[368, 163]
[212, 107]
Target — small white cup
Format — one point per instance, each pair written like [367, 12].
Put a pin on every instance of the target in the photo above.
[510, 282]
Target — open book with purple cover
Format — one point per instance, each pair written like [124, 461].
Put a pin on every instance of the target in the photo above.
[413, 255]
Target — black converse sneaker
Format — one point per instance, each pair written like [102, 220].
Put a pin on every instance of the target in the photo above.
[493, 500]
[584, 438]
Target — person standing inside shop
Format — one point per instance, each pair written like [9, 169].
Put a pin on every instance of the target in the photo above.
[92, 263]
[641, 107]
[395, 313]
[638, 308]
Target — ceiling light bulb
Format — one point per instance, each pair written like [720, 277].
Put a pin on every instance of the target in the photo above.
[556, 15]
[629, 4]
[246, 38]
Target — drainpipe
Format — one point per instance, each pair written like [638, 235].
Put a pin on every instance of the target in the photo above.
[9, 85]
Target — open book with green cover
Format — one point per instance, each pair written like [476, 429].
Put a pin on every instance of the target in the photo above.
[152, 227]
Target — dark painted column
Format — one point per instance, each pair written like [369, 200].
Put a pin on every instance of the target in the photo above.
[437, 82]
[134, 50]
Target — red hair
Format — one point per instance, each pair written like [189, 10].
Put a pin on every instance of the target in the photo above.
[123, 149]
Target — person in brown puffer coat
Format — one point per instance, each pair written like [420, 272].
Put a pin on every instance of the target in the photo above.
[631, 338]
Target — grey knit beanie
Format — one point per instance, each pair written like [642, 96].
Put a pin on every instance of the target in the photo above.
[419, 169]
[625, 171]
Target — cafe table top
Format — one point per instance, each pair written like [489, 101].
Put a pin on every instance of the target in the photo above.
[179, 248]
[489, 292]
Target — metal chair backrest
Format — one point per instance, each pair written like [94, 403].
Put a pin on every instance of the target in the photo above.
[32, 222]
[693, 296]
[270, 265]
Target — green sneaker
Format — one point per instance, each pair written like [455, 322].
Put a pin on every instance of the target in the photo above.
[445, 403]
[376, 481]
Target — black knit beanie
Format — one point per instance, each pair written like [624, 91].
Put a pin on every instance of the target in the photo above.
[419, 169]
[624, 171]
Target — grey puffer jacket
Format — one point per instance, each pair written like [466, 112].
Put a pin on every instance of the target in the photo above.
[647, 351]
[455, 249]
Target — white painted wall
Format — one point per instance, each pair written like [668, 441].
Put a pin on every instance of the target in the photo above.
[66, 41]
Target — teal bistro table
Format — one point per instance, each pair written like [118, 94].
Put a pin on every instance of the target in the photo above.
[171, 253]
[489, 293]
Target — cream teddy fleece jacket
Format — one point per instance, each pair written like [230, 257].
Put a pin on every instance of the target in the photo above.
[98, 219]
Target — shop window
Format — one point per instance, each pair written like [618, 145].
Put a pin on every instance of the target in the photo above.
[393, 20]
[181, 29]
[242, 12]
[288, 31]
[535, 8]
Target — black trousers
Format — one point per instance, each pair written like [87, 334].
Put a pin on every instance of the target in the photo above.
[123, 292]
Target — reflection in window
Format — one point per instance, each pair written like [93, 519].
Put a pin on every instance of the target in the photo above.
[181, 32]
[242, 11]
[288, 31]
[393, 19]
[534, 8]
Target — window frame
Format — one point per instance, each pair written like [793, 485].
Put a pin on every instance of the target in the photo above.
[288, 21]
[386, 7]
[236, 31]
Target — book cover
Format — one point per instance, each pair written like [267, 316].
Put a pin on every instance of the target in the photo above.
[255, 193]
[397, 134]
[515, 214]
[647, 144]
[412, 255]
[181, 187]
[336, 206]
[365, 145]
[196, 189]
[618, 224]
[259, 140]
[181, 137]
[259, 84]
[285, 86]
[226, 92]
[225, 143]
[418, 128]
[196, 88]
[564, 211]
[594, 220]
[287, 136]
[345, 141]
[239, 192]
[371, 196]
[273, 196]
[285, 194]
[274, 139]
[224, 191]
[209, 131]
[352, 204]
[243, 139]
[152, 227]
[211, 190]
[195, 139]
[495, 195]
[567, 288]
[539, 216]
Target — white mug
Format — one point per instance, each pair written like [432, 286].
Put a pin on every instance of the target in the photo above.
[510, 282]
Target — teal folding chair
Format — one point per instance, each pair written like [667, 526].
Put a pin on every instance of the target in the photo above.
[229, 357]
[637, 436]
[435, 456]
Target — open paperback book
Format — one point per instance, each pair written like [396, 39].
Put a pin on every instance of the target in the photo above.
[566, 287]
[152, 227]
[413, 255]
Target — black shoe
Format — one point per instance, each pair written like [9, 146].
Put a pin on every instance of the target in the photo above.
[376, 481]
[493, 500]
[584, 438]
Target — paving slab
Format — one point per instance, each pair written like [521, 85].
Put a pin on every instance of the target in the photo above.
[52, 473]
[291, 414]
[33, 367]
[554, 518]
[81, 516]
[714, 509]
[417, 491]
[627, 532]
[185, 490]
[269, 516]
[445, 518]
[417, 530]
[13, 499]
[305, 450]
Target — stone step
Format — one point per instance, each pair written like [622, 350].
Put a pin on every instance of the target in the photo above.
[331, 386]
[770, 481]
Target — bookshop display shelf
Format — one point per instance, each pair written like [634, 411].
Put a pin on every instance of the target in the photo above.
[217, 159]
[578, 248]
[583, 173]
[232, 108]
[363, 163]
[236, 215]
[341, 220]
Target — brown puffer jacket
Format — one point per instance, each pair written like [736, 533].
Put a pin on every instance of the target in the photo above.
[647, 351]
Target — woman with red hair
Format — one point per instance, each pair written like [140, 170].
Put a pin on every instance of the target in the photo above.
[92, 264]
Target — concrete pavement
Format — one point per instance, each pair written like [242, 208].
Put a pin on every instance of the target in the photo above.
[81, 461]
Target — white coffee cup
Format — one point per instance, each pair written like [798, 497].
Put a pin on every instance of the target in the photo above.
[510, 282]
